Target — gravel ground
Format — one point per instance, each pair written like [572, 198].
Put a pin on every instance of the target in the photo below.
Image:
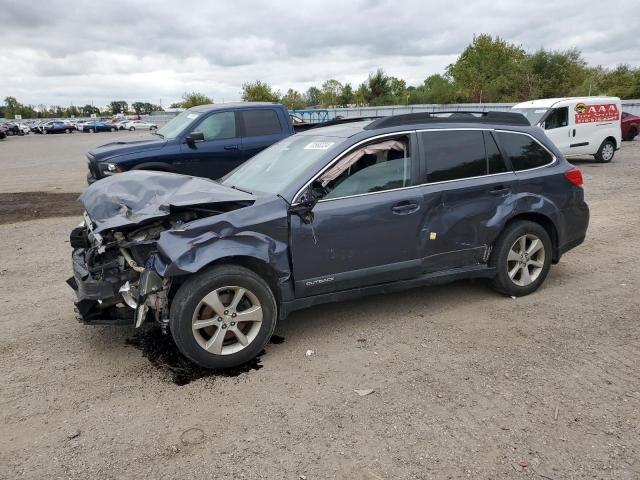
[466, 383]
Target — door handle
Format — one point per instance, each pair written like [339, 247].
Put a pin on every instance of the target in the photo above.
[574, 132]
[231, 147]
[405, 208]
[500, 190]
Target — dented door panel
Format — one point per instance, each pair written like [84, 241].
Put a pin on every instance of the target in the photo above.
[461, 219]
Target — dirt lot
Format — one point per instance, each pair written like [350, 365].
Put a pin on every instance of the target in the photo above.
[467, 383]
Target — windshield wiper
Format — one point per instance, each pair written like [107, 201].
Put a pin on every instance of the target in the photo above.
[240, 189]
[159, 134]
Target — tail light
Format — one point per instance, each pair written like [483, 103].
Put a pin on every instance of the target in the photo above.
[574, 175]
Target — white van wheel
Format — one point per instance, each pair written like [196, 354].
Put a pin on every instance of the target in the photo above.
[606, 152]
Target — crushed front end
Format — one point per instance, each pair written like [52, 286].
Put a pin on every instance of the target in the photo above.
[113, 275]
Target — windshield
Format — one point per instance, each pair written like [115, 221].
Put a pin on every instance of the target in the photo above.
[533, 114]
[176, 126]
[273, 169]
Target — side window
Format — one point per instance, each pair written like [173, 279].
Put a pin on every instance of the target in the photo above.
[376, 167]
[454, 154]
[260, 122]
[523, 151]
[495, 162]
[218, 126]
[558, 118]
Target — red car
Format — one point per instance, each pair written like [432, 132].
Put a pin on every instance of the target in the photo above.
[630, 126]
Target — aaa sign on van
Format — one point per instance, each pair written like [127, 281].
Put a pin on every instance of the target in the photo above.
[596, 113]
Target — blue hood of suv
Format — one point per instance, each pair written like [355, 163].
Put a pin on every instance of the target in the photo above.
[115, 149]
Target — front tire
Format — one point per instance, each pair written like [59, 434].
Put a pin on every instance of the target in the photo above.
[522, 258]
[91, 130]
[631, 134]
[605, 152]
[223, 317]
[113, 129]
[131, 129]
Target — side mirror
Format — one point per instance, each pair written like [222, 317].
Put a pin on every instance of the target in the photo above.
[194, 137]
[305, 204]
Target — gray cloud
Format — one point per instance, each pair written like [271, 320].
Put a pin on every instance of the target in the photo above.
[58, 52]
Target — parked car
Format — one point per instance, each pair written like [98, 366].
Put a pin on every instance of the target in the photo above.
[206, 141]
[132, 125]
[630, 126]
[120, 122]
[57, 127]
[329, 214]
[3, 133]
[11, 129]
[99, 126]
[580, 125]
[24, 129]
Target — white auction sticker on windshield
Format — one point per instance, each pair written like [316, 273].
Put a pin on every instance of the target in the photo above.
[318, 145]
[191, 116]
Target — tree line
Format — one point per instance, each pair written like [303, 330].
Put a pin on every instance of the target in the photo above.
[489, 69]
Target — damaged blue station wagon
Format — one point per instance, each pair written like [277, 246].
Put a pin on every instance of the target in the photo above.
[342, 211]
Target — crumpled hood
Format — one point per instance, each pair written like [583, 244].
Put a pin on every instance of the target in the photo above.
[113, 149]
[133, 197]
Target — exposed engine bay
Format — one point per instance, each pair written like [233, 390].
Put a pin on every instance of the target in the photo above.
[118, 284]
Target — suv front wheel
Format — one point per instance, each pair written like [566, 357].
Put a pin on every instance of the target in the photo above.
[223, 317]
[522, 258]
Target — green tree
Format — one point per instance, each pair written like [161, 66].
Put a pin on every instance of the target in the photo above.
[346, 95]
[330, 92]
[379, 88]
[193, 99]
[259, 91]
[312, 96]
[555, 73]
[293, 100]
[398, 90]
[87, 110]
[118, 106]
[491, 70]
[145, 108]
[361, 95]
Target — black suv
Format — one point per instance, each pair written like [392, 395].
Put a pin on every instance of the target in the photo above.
[338, 212]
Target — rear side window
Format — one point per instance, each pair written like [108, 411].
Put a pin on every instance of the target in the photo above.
[454, 154]
[523, 151]
[260, 122]
[218, 126]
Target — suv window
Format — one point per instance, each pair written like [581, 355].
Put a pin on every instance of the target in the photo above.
[218, 126]
[260, 122]
[495, 162]
[558, 118]
[454, 154]
[375, 167]
[523, 151]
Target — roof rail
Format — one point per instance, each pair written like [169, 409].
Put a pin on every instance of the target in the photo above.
[498, 118]
[339, 120]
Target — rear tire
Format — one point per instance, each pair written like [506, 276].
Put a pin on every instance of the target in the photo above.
[113, 129]
[91, 130]
[131, 129]
[606, 152]
[66, 130]
[522, 258]
[212, 333]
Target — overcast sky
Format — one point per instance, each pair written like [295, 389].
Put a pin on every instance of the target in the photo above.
[63, 52]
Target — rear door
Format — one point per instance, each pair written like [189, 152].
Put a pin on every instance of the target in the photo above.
[261, 128]
[468, 191]
[218, 154]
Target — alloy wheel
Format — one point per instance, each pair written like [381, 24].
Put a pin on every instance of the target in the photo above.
[525, 260]
[227, 320]
[607, 152]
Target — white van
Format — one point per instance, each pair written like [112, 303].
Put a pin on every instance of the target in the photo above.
[578, 125]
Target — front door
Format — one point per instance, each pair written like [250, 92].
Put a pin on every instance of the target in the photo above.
[218, 154]
[559, 128]
[365, 230]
